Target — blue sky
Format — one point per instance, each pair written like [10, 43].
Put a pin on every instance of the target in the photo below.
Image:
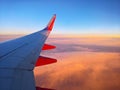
[73, 16]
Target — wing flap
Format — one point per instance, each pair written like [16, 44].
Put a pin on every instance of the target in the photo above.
[47, 47]
[44, 61]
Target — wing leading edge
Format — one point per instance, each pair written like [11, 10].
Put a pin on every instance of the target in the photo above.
[18, 58]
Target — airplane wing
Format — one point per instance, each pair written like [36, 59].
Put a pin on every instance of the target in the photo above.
[18, 58]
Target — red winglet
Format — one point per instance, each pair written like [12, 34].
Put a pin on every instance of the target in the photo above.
[51, 23]
[47, 47]
[44, 61]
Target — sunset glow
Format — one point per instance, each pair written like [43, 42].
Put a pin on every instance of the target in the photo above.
[82, 51]
[82, 66]
[82, 63]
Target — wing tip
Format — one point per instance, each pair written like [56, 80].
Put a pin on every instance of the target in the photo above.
[51, 22]
[54, 14]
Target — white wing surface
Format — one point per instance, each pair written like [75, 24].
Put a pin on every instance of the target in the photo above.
[18, 58]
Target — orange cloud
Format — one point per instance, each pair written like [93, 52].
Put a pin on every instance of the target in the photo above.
[98, 71]
[83, 64]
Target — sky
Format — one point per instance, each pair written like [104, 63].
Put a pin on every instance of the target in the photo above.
[73, 16]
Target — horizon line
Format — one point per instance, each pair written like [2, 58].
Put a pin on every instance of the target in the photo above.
[73, 35]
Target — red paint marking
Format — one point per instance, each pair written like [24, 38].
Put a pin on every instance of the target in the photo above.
[44, 61]
[51, 23]
[39, 88]
[47, 47]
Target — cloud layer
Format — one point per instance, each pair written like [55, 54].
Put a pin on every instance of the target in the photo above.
[81, 66]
